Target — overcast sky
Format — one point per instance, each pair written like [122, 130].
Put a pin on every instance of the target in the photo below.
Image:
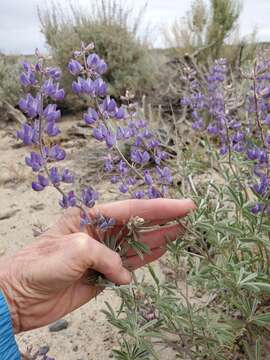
[19, 24]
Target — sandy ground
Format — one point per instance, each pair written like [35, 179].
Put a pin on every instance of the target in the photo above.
[89, 336]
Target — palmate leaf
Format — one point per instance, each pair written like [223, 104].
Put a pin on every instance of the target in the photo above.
[257, 287]
[139, 248]
[131, 352]
[262, 319]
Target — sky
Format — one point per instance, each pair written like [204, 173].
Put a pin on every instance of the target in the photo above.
[20, 29]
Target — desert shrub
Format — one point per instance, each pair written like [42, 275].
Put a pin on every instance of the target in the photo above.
[114, 29]
[211, 31]
[214, 301]
[10, 88]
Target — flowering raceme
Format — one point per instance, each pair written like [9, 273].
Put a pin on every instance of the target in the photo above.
[245, 137]
[42, 86]
[113, 125]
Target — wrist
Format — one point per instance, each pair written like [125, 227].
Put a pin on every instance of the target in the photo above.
[8, 290]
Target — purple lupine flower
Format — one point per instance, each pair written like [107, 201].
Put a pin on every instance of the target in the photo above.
[30, 105]
[154, 193]
[27, 134]
[140, 124]
[123, 168]
[239, 147]
[138, 141]
[131, 181]
[75, 67]
[123, 188]
[224, 150]
[160, 156]
[90, 117]
[37, 187]
[148, 178]
[67, 177]
[256, 209]
[77, 87]
[108, 166]
[109, 106]
[147, 134]
[92, 61]
[35, 161]
[165, 175]
[41, 183]
[237, 137]
[152, 144]
[104, 223]
[51, 89]
[100, 132]
[138, 194]
[100, 88]
[198, 124]
[96, 64]
[262, 156]
[87, 86]
[55, 177]
[26, 66]
[51, 129]
[212, 129]
[51, 113]
[140, 157]
[121, 133]
[115, 179]
[68, 200]
[252, 154]
[110, 139]
[27, 79]
[102, 67]
[120, 113]
[262, 186]
[53, 72]
[56, 153]
[58, 94]
[89, 197]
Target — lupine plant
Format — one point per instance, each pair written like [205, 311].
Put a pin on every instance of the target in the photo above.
[141, 173]
[214, 301]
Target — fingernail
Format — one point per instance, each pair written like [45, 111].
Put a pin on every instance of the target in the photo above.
[191, 204]
[125, 277]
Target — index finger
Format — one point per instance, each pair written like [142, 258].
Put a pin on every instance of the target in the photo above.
[151, 210]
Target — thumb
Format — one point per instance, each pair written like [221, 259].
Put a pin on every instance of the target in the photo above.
[89, 253]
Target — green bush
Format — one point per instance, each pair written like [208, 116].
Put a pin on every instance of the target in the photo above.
[10, 88]
[211, 31]
[114, 31]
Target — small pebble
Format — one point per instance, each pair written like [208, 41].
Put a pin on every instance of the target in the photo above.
[58, 325]
[75, 348]
[43, 350]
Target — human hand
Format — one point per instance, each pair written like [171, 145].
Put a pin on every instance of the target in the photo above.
[44, 281]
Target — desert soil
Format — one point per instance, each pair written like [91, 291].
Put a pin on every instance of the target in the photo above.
[89, 336]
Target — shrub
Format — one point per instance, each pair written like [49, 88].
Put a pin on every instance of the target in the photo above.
[10, 89]
[112, 28]
[210, 32]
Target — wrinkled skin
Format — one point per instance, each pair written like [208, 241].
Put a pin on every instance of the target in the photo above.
[45, 281]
